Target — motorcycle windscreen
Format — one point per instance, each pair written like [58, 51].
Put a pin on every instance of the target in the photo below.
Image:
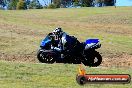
[91, 42]
[46, 40]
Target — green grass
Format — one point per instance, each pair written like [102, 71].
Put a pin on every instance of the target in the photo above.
[28, 75]
[113, 26]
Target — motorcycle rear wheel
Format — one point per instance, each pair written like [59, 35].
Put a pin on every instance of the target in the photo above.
[93, 59]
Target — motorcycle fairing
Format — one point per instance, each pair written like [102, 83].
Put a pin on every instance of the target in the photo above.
[91, 43]
[45, 41]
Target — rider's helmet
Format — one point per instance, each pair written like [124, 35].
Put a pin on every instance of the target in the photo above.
[57, 33]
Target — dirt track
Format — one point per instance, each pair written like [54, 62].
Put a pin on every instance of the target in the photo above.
[118, 61]
[19, 58]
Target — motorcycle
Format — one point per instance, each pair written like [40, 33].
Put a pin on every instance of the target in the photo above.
[76, 53]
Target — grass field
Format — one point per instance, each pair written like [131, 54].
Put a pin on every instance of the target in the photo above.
[22, 30]
[113, 26]
[23, 75]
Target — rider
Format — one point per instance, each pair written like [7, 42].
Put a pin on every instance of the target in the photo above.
[65, 43]
[60, 38]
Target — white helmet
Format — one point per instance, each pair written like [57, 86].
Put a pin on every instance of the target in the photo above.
[58, 31]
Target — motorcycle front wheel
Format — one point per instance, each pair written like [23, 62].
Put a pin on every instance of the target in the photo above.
[45, 57]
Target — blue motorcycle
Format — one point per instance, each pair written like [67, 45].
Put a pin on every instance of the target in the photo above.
[74, 53]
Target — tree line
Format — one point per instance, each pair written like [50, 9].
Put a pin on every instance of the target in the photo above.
[35, 4]
[20, 4]
[83, 3]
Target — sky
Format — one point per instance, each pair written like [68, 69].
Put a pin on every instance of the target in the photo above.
[119, 2]
[124, 2]
[43, 2]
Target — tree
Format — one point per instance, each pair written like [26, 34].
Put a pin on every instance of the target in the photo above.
[51, 6]
[27, 2]
[101, 3]
[22, 4]
[87, 3]
[109, 2]
[6, 3]
[35, 4]
[13, 4]
[2, 3]
[57, 3]
[76, 3]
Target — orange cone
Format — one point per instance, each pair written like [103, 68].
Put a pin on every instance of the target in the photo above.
[81, 70]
